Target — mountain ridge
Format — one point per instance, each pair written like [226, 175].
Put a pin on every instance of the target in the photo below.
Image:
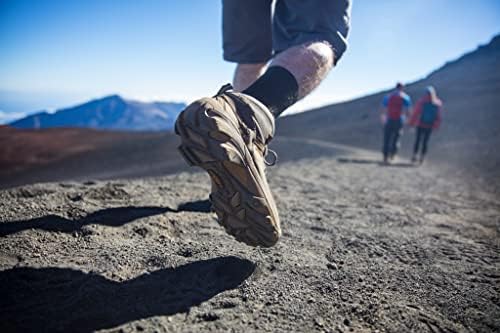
[112, 112]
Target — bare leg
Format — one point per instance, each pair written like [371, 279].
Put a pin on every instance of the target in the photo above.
[292, 75]
[309, 63]
[246, 74]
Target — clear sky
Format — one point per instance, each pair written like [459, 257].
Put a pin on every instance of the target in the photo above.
[59, 52]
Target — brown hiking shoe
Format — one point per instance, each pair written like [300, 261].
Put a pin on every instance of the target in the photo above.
[227, 135]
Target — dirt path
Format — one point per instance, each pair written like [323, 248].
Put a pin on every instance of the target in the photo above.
[365, 248]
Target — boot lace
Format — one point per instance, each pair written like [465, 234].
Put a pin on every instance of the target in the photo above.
[249, 138]
[224, 88]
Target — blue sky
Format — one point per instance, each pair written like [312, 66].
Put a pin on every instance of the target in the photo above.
[55, 53]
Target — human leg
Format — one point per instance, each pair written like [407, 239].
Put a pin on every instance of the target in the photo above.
[309, 63]
[292, 75]
[395, 143]
[416, 146]
[386, 141]
[227, 135]
[309, 37]
[425, 139]
[246, 74]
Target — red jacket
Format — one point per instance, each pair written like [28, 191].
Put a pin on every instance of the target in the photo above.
[417, 113]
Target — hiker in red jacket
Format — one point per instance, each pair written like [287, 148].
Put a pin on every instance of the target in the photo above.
[396, 107]
[425, 117]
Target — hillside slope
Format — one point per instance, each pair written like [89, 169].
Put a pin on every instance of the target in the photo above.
[469, 87]
[28, 156]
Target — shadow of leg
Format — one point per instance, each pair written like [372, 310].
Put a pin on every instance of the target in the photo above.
[113, 217]
[62, 299]
[201, 206]
[357, 160]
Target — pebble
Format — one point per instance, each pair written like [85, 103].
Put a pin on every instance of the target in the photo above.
[319, 321]
[332, 266]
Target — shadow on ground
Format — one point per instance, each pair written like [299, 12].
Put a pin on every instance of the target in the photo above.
[62, 299]
[376, 162]
[113, 217]
[358, 161]
[400, 165]
[200, 206]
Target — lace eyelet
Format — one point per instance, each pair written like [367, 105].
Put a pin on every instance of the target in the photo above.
[275, 157]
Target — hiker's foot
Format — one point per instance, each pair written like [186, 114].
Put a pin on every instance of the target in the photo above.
[227, 135]
[414, 159]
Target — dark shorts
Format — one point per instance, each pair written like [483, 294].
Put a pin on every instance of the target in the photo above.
[252, 35]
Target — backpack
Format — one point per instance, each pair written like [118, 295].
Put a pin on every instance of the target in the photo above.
[429, 114]
[395, 106]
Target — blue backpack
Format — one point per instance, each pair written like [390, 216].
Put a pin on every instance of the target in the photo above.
[429, 114]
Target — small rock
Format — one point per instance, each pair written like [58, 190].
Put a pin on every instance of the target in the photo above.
[319, 321]
[76, 197]
[141, 231]
[209, 316]
[332, 266]
[186, 252]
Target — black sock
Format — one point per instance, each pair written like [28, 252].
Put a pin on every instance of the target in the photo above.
[277, 89]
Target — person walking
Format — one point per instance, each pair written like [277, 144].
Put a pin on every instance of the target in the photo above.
[396, 107]
[281, 55]
[426, 117]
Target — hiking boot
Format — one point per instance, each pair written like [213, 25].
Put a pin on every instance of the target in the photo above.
[227, 135]
[414, 159]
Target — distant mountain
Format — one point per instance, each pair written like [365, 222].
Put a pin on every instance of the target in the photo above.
[111, 112]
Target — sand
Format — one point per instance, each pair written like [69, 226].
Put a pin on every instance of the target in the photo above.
[365, 248]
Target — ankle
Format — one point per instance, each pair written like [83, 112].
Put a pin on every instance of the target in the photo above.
[277, 89]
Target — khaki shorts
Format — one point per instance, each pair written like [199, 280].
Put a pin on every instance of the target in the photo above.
[253, 34]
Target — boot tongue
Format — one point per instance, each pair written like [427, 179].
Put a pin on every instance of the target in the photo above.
[255, 116]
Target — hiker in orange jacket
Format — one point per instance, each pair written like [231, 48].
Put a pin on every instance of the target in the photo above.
[426, 116]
